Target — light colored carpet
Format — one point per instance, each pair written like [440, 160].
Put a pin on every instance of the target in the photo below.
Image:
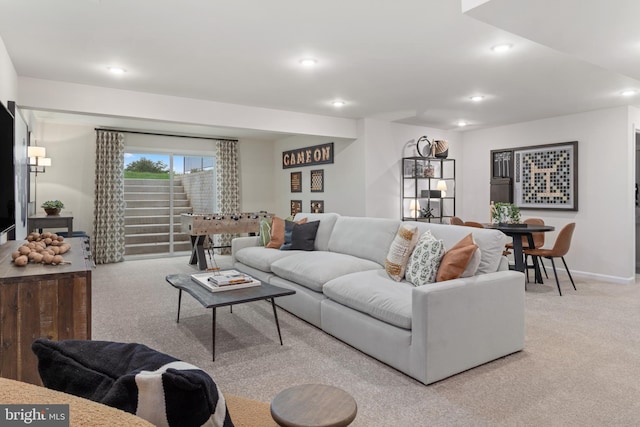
[580, 366]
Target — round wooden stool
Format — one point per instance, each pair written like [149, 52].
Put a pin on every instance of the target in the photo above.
[313, 405]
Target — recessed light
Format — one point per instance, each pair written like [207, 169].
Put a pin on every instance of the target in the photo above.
[338, 103]
[500, 48]
[461, 123]
[476, 98]
[308, 62]
[630, 92]
[116, 70]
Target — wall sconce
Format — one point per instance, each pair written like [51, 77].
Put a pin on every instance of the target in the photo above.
[442, 186]
[37, 159]
[414, 208]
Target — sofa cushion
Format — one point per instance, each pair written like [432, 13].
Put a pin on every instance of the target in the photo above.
[455, 260]
[303, 236]
[400, 251]
[374, 293]
[425, 260]
[367, 238]
[260, 258]
[133, 378]
[314, 269]
[490, 242]
[327, 222]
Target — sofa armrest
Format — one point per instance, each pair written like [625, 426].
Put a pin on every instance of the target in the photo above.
[462, 323]
[242, 242]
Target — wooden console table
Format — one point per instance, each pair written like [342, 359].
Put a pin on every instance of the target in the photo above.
[41, 301]
[40, 221]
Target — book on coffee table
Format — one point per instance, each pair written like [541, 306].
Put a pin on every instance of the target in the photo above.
[210, 281]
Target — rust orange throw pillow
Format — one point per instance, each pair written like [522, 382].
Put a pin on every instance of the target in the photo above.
[455, 260]
[277, 232]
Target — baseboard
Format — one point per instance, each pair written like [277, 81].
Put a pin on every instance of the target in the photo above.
[595, 276]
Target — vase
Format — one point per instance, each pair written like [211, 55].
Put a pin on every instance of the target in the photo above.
[52, 211]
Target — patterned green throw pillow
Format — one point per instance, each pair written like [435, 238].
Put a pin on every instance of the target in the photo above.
[265, 231]
[425, 260]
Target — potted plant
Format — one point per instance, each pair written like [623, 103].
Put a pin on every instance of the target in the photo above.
[505, 213]
[52, 207]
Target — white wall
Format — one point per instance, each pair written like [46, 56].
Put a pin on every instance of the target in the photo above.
[385, 145]
[605, 219]
[71, 176]
[8, 77]
[343, 179]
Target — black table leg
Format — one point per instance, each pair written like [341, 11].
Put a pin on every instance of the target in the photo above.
[536, 263]
[179, 301]
[275, 315]
[517, 253]
[213, 335]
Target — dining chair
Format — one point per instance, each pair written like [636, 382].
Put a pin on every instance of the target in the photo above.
[473, 224]
[454, 220]
[559, 250]
[538, 242]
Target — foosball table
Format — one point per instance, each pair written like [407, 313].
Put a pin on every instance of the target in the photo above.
[199, 226]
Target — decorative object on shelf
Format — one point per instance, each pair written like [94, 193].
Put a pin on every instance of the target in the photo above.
[317, 181]
[423, 145]
[505, 213]
[440, 148]
[296, 182]
[432, 148]
[427, 212]
[52, 207]
[414, 208]
[428, 170]
[442, 186]
[296, 206]
[317, 206]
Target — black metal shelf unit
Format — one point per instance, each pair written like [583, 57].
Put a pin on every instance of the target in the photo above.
[428, 189]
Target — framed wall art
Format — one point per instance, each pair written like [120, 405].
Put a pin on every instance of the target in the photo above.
[317, 181]
[546, 176]
[317, 206]
[296, 206]
[296, 182]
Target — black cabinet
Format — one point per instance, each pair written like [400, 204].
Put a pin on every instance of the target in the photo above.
[428, 189]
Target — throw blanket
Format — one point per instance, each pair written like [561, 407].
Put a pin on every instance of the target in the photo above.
[134, 378]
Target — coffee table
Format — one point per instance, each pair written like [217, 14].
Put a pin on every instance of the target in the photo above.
[208, 299]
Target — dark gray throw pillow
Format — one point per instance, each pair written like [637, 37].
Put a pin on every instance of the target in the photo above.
[288, 231]
[303, 236]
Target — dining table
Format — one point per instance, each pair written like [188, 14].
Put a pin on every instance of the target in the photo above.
[516, 232]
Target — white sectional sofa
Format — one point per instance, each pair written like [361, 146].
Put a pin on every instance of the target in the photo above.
[429, 332]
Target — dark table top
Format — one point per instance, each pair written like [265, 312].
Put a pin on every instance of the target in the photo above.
[219, 299]
[520, 228]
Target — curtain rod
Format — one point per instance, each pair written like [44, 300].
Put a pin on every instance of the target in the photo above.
[167, 134]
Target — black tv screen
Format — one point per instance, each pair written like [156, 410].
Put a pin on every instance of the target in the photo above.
[7, 181]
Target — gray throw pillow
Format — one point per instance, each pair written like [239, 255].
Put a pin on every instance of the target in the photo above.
[303, 236]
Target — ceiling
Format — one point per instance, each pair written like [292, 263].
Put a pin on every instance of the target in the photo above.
[410, 61]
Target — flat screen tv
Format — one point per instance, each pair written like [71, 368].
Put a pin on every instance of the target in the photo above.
[7, 173]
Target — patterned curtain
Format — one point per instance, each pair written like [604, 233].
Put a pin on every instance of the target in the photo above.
[108, 216]
[227, 186]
